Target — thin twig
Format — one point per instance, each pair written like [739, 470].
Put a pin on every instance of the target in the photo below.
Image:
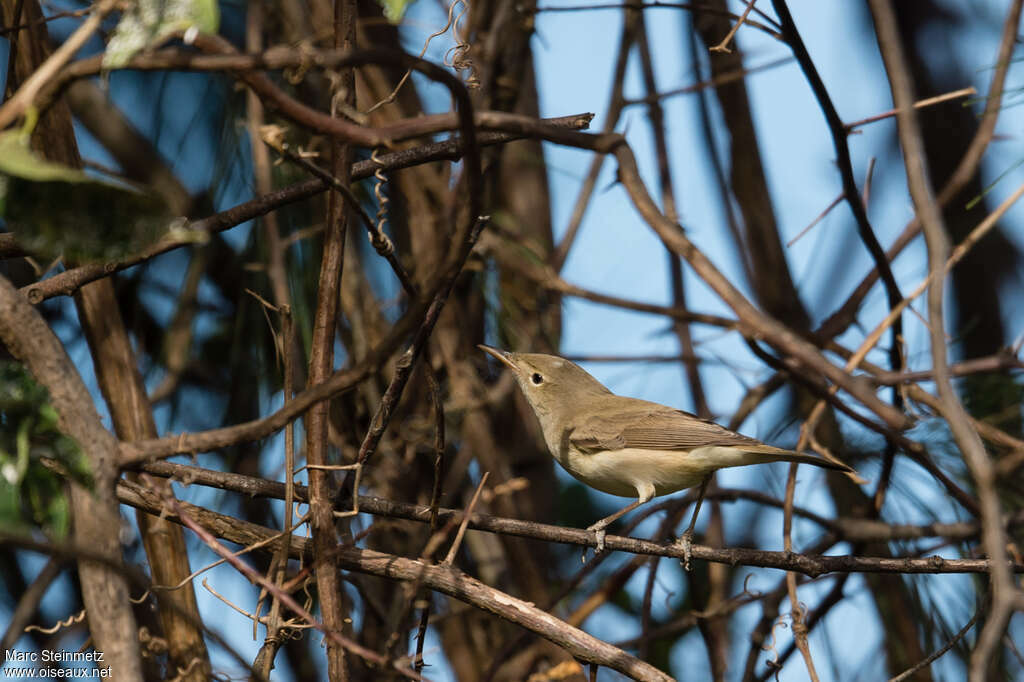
[724, 45]
[935, 655]
[184, 516]
[821, 216]
[457, 542]
[796, 608]
[920, 104]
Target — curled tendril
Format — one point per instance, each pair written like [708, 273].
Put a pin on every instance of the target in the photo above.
[457, 56]
[71, 620]
[458, 61]
[380, 241]
[769, 644]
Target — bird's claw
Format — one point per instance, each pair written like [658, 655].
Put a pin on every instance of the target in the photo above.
[599, 534]
[686, 542]
[599, 537]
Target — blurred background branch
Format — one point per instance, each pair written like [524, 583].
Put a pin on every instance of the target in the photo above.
[335, 290]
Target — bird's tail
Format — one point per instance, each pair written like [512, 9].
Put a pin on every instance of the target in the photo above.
[771, 454]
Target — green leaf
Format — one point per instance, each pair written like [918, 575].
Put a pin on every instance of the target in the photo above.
[149, 22]
[394, 10]
[33, 494]
[17, 159]
[11, 517]
[48, 502]
[57, 210]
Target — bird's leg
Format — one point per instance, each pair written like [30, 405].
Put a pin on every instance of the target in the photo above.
[686, 539]
[599, 527]
[644, 495]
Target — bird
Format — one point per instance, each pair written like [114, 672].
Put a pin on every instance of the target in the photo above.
[630, 447]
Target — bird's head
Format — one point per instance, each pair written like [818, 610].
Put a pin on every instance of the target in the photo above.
[550, 383]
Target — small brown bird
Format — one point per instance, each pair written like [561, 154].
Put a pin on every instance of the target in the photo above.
[626, 446]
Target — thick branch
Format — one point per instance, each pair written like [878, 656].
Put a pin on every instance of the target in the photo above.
[445, 579]
[96, 521]
[321, 362]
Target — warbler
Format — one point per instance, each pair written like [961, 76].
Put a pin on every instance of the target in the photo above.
[630, 447]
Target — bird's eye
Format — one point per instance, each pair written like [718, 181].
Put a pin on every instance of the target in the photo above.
[537, 379]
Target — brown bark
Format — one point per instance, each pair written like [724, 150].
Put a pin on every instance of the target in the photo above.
[516, 195]
[321, 364]
[96, 522]
[122, 387]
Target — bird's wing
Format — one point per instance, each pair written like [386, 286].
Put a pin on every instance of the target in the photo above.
[657, 428]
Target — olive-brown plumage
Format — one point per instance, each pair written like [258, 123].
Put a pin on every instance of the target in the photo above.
[626, 446]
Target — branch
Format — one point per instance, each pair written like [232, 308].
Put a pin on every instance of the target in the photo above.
[221, 56]
[999, 362]
[26, 95]
[1004, 593]
[845, 315]
[445, 579]
[96, 521]
[844, 528]
[935, 655]
[770, 27]
[322, 528]
[29, 603]
[811, 565]
[851, 193]
[69, 281]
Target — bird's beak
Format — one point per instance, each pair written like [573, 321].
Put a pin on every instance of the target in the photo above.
[504, 357]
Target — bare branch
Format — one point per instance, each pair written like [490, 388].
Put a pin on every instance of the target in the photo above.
[445, 579]
[1005, 596]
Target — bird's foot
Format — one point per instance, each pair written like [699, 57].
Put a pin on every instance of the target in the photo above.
[599, 537]
[686, 542]
[599, 534]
